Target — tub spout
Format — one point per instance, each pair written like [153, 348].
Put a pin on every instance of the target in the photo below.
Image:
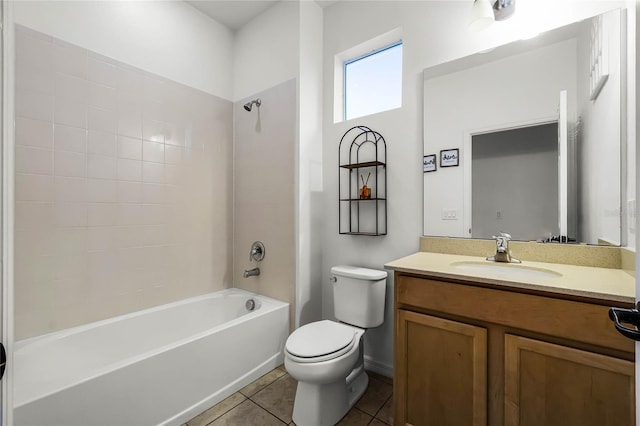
[251, 272]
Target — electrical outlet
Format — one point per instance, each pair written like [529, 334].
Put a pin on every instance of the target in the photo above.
[449, 214]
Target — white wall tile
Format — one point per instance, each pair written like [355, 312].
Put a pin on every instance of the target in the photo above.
[101, 143]
[172, 154]
[153, 130]
[34, 160]
[70, 189]
[71, 88]
[35, 79]
[31, 187]
[130, 148]
[98, 234]
[102, 214]
[69, 163]
[70, 138]
[102, 96]
[35, 105]
[70, 214]
[103, 120]
[101, 167]
[130, 214]
[33, 52]
[70, 59]
[100, 238]
[152, 172]
[34, 133]
[70, 240]
[102, 191]
[129, 192]
[130, 125]
[34, 215]
[129, 169]
[102, 72]
[153, 151]
[70, 113]
[153, 193]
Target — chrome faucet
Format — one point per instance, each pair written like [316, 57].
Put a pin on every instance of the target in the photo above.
[503, 254]
[251, 272]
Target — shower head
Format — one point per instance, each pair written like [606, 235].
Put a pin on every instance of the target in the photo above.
[249, 105]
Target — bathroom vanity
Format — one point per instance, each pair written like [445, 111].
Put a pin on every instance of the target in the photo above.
[524, 345]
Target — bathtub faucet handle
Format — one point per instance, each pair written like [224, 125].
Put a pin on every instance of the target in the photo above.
[257, 251]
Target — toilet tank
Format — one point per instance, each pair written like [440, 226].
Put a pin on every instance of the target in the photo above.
[358, 295]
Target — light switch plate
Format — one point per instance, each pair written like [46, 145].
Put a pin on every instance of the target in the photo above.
[449, 214]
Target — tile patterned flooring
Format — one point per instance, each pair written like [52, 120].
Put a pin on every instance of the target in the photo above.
[269, 401]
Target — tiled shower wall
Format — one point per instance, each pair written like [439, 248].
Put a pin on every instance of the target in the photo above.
[123, 188]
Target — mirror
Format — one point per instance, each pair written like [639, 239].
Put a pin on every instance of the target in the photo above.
[540, 137]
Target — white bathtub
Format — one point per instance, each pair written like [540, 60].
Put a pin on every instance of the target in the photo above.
[160, 366]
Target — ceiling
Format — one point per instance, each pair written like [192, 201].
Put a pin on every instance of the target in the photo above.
[236, 13]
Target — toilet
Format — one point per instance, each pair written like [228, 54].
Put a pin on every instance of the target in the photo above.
[327, 357]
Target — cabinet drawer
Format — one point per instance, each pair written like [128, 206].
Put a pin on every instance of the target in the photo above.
[577, 321]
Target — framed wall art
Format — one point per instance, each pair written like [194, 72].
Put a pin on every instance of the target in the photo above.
[429, 163]
[449, 157]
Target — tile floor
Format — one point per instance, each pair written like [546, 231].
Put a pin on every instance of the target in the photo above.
[269, 401]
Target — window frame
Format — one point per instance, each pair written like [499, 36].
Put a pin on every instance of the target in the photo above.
[359, 58]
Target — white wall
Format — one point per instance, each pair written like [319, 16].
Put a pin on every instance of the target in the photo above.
[168, 38]
[433, 32]
[309, 212]
[265, 51]
[284, 43]
[264, 192]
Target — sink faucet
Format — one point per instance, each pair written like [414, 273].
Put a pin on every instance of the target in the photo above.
[251, 272]
[503, 254]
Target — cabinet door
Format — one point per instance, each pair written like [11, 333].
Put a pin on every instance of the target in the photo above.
[441, 372]
[547, 384]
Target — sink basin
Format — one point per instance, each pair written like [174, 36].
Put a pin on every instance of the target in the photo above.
[506, 270]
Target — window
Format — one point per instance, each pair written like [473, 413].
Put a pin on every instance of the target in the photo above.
[373, 82]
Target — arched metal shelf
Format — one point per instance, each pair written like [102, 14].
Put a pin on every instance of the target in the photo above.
[362, 149]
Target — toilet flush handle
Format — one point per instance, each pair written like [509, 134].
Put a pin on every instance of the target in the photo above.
[333, 279]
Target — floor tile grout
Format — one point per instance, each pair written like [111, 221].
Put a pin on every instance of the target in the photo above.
[227, 410]
[286, 376]
[264, 408]
[380, 409]
[278, 418]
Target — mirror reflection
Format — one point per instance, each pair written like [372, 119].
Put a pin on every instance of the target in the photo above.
[538, 127]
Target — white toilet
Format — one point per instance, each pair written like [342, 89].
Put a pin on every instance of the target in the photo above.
[326, 357]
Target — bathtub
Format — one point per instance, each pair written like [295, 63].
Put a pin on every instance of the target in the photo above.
[160, 366]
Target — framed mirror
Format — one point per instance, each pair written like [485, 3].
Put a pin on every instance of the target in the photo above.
[540, 132]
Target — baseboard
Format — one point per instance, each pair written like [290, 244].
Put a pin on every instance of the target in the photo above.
[378, 367]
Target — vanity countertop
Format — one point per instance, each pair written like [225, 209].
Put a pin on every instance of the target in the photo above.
[602, 284]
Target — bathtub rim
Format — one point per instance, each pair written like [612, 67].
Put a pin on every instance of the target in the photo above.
[273, 304]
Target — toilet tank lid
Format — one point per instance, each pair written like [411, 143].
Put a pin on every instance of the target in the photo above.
[359, 273]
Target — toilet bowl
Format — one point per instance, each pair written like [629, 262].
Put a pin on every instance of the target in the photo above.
[327, 357]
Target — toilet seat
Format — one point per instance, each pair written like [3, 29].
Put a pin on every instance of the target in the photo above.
[320, 341]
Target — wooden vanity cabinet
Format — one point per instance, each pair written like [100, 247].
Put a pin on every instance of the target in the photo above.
[469, 354]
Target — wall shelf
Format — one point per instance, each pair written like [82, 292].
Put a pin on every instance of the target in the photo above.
[362, 156]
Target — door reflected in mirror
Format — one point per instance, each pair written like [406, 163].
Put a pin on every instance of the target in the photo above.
[533, 162]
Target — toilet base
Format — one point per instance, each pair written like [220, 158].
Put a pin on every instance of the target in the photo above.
[325, 405]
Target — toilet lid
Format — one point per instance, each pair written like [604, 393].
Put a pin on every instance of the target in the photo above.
[319, 338]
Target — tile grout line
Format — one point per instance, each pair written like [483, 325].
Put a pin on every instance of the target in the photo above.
[261, 407]
[227, 410]
[380, 409]
[264, 408]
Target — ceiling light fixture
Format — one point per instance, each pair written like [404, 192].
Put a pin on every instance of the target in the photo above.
[483, 14]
